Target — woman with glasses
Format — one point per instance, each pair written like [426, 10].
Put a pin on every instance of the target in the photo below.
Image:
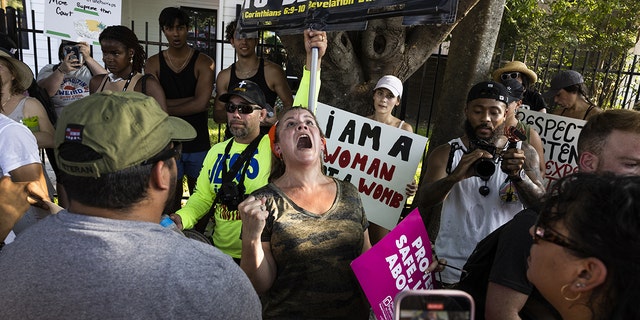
[585, 258]
[517, 70]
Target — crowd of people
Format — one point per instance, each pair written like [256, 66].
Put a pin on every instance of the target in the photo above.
[278, 234]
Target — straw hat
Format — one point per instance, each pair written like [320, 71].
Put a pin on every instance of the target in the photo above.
[24, 74]
[518, 66]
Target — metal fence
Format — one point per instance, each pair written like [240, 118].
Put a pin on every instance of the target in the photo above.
[613, 80]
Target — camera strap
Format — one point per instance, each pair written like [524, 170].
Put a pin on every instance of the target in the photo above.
[227, 176]
[454, 147]
[243, 159]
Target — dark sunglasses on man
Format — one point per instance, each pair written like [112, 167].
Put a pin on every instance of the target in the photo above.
[242, 108]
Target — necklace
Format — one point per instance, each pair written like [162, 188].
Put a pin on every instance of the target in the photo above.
[187, 58]
[7, 101]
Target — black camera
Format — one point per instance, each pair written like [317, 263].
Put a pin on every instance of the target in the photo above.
[484, 167]
[231, 194]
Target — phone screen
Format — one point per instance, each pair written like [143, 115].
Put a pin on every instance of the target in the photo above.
[434, 304]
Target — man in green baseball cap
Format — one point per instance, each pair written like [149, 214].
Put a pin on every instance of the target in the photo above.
[117, 151]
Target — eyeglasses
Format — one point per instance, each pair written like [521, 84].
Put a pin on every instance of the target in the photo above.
[510, 75]
[546, 233]
[166, 154]
[242, 108]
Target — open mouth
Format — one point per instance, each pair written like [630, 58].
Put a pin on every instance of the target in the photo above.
[304, 142]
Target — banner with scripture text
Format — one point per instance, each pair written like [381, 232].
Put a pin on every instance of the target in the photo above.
[80, 20]
[293, 16]
[396, 263]
[560, 141]
[378, 159]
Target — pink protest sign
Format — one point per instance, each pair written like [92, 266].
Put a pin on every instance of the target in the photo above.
[397, 262]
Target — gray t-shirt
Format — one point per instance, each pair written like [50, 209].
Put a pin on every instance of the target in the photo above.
[71, 266]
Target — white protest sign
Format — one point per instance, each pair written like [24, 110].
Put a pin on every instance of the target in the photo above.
[560, 140]
[378, 159]
[80, 20]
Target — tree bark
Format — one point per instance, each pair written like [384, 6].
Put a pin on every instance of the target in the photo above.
[356, 60]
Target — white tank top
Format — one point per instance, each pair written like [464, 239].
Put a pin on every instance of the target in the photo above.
[467, 216]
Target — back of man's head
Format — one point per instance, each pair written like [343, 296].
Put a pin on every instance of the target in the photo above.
[595, 132]
[170, 15]
[103, 143]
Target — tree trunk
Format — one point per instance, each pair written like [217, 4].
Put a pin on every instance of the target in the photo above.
[355, 60]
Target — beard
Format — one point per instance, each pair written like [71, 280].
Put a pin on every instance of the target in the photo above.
[168, 204]
[470, 131]
[239, 132]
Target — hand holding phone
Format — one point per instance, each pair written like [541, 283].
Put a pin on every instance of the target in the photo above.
[75, 53]
[434, 304]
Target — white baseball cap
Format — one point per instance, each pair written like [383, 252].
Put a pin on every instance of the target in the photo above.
[392, 83]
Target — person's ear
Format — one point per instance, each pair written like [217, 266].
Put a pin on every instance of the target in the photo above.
[161, 175]
[263, 114]
[593, 275]
[588, 162]
[277, 150]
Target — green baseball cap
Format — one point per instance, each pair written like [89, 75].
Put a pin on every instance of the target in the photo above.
[123, 128]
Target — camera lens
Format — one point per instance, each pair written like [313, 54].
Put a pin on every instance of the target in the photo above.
[485, 168]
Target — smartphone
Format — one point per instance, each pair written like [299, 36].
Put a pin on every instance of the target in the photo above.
[75, 53]
[434, 304]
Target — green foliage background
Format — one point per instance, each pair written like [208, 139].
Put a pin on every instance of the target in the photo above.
[588, 35]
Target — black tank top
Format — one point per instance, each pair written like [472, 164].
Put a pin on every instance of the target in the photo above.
[259, 79]
[183, 85]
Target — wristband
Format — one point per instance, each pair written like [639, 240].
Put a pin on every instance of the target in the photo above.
[60, 69]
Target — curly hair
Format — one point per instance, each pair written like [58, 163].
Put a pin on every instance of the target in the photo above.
[600, 213]
[129, 39]
[230, 30]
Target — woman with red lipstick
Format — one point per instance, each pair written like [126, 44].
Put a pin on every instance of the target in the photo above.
[124, 58]
[301, 231]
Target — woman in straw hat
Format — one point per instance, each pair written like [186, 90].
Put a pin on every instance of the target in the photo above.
[518, 70]
[15, 105]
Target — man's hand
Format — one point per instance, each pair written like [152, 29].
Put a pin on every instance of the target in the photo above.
[15, 199]
[513, 161]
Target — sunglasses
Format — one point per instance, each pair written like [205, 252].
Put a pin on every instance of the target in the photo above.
[242, 108]
[166, 154]
[510, 75]
[546, 233]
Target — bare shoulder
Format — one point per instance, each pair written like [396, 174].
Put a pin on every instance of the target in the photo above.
[204, 59]
[407, 127]
[440, 153]
[273, 69]
[222, 81]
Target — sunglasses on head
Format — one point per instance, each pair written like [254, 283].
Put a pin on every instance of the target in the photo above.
[546, 233]
[510, 75]
[242, 108]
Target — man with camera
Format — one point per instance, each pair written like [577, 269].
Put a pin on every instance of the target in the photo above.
[232, 169]
[482, 179]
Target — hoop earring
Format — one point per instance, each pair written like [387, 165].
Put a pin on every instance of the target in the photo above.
[562, 291]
